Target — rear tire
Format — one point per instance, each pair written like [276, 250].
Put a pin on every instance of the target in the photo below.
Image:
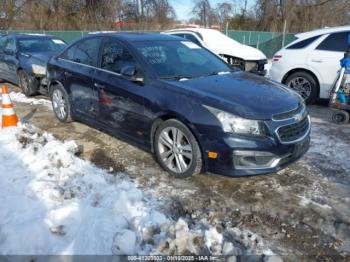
[177, 150]
[304, 84]
[27, 88]
[61, 104]
[340, 117]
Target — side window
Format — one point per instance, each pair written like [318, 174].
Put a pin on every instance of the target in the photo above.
[192, 38]
[337, 42]
[84, 52]
[304, 43]
[180, 35]
[115, 56]
[10, 44]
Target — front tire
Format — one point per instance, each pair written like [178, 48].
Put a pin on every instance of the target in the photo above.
[304, 84]
[28, 88]
[177, 150]
[61, 104]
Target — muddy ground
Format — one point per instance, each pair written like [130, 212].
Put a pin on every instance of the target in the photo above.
[302, 212]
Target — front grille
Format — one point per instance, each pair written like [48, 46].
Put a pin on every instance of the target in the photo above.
[288, 114]
[293, 132]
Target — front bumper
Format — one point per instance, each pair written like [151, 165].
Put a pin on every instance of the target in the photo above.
[275, 156]
[244, 155]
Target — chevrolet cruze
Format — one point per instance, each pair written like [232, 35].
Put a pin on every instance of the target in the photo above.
[180, 101]
[23, 59]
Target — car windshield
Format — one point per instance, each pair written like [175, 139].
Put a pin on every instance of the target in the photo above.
[34, 45]
[181, 59]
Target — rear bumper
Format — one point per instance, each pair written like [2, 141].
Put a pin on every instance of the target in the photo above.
[276, 73]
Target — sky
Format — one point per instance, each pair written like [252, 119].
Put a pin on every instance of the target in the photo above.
[183, 7]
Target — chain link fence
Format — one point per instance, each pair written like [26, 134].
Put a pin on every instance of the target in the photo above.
[268, 42]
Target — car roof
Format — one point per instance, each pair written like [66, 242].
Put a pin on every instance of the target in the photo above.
[136, 36]
[27, 35]
[193, 29]
[323, 31]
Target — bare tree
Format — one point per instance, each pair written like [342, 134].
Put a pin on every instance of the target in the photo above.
[202, 12]
[9, 11]
[224, 11]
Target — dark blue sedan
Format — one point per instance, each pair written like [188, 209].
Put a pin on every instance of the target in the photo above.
[23, 59]
[181, 102]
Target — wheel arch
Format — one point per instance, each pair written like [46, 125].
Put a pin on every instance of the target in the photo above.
[53, 83]
[289, 73]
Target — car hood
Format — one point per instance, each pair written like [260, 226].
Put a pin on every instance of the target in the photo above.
[42, 57]
[243, 94]
[238, 50]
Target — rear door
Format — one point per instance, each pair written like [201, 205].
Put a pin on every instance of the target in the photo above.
[79, 63]
[120, 101]
[326, 59]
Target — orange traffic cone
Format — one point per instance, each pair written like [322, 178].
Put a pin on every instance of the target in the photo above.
[9, 117]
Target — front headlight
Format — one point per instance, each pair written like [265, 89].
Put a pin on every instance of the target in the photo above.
[39, 70]
[235, 124]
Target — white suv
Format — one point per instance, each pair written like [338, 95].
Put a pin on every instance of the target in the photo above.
[309, 65]
[245, 57]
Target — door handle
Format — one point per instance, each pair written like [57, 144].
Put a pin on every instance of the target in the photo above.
[68, 74]
[317, 60]
[99, 86]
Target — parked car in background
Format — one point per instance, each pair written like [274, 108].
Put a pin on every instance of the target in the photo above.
[245, 57]
[309, 65]
[180, 101]
[23, 59]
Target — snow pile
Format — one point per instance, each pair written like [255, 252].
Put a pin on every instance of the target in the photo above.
[53, 202]
[21, 98]
[205, 240]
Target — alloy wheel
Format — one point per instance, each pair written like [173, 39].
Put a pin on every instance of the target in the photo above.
[59, 104]
[175, 150]
[302, 86]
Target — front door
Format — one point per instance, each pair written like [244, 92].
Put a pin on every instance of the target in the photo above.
[80, 63]
[120, 101]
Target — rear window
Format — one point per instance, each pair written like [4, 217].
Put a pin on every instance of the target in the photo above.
[337, 42]
[303, 43]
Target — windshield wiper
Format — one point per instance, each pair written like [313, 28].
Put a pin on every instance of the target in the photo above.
[177, 77]
[219, 73]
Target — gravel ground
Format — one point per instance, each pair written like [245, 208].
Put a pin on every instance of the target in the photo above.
[301, 213]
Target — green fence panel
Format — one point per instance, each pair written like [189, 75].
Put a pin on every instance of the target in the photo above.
[268, 42]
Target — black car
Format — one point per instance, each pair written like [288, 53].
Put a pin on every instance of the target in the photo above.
[180, 101]
[23, 59]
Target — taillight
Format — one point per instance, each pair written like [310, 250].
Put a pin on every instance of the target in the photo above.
[277, 58]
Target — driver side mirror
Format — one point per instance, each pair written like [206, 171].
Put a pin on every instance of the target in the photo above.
[129, 72]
